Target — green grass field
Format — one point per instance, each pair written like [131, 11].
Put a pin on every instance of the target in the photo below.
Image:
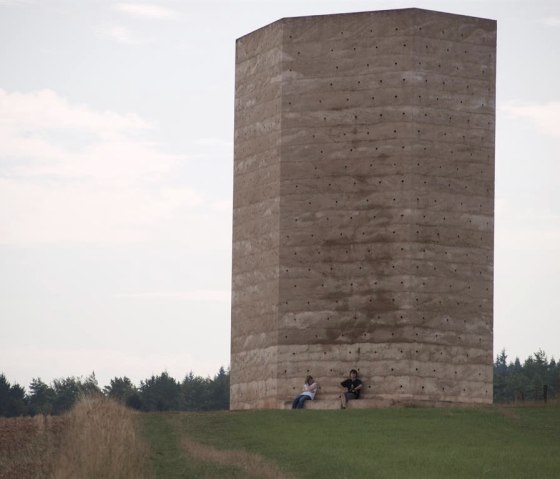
[380, 443]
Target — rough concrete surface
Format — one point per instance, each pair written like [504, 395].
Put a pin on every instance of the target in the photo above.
[364, 207]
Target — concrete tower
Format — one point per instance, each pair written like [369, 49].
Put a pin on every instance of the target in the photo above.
[364, 207]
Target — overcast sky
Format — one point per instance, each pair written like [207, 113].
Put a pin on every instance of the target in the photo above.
[116, 155]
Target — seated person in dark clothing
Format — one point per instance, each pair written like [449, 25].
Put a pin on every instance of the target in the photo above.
[353, 386]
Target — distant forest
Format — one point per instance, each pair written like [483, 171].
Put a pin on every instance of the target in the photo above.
[513, 381]
[158, 393]
[533, 380]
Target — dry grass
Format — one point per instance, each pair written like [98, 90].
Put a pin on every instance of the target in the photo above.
[253, 465]
[100, 441]
[97, 439]
[28, 446]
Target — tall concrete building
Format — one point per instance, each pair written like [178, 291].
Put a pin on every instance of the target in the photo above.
[364, 208]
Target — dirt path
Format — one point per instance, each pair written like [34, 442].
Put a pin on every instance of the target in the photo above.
[254, 465]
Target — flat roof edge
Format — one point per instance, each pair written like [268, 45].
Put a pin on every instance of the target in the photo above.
[395, 10]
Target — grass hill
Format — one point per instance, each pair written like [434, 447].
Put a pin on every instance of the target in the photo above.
[430, 443]
[100, 439]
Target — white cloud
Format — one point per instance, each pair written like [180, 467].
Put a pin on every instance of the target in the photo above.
[42, 135]
[125, 35]
[546, 116]
[146, 10]
[46, 109]
[109, 184]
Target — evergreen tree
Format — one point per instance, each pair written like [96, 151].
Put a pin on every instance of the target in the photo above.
[66, 393]
[41, 397]
[501, 376]
[219, 391]
[195, 393]
[89, 386]
[4, 395]
[517, 381]
[160, 393]
[12, 399]
[120, 389]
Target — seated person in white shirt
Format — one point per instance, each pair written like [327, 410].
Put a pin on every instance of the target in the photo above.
[309, 391]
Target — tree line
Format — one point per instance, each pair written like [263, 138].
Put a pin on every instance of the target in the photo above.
[513, 381]
[158, 393]
[530, 380]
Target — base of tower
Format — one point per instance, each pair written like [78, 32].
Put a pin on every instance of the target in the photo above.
[380, 402]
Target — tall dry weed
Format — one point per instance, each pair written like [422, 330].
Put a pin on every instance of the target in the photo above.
[100, 441]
